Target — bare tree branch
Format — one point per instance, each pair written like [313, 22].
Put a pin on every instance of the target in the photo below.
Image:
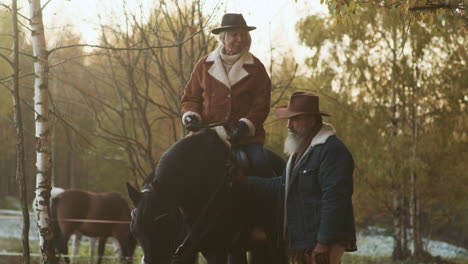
[56, 114]
[127, 48]
[285, 88]
[22, 53]
[44, 6]
[7, 59]
[22, 16]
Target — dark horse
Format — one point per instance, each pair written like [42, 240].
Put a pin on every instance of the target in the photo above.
[192, 176]
[100, 215]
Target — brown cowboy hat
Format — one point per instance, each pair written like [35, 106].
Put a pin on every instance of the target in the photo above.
[301, 103]
[232, 21]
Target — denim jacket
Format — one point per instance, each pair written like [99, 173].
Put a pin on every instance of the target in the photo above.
[318, 207]
[318, 194]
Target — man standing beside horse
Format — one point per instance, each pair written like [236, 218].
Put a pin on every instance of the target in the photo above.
[317, 186]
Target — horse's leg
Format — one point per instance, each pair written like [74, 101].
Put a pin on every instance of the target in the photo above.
[92, 249]
[102, 245]
[237, 256]
[76, 246]
[63, 246]
[260, 255]
[215, 257]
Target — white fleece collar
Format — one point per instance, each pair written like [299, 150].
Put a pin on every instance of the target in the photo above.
[237, 72]
[324, 133]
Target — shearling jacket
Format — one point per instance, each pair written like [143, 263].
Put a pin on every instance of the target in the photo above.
[244, 94]
[318, 192]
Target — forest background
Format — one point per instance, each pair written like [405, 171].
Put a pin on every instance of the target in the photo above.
[394, 80]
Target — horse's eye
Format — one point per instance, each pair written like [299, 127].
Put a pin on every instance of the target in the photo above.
[157, 218]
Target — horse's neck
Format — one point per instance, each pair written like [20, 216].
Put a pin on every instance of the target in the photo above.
[193, 169]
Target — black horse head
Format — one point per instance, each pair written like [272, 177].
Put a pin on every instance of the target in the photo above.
[157, 227]
[183, 178]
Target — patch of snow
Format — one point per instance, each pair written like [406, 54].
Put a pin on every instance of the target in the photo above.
[444, 249]
[374, 245]
[12, 228]
[381, 246]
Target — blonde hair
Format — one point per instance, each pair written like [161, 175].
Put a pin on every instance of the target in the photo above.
[222, 36]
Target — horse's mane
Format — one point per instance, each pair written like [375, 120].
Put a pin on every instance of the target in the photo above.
[200, 151]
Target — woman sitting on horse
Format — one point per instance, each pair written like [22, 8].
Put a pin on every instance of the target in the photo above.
[231, 86]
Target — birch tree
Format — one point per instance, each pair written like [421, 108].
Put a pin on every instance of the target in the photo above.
[18, 119]
[42, 135]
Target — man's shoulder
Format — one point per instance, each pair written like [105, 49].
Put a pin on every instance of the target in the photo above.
[334, 140]
[335, 144]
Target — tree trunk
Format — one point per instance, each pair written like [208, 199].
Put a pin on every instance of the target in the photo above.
[414, 201]
[20, 169]
[43, 155]
[404, 221]
[399, 248]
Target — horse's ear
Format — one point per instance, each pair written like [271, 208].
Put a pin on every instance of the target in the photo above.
[134, 194]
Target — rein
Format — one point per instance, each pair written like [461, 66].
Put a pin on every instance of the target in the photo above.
[212, 125]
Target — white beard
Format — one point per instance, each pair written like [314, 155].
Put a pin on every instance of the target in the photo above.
[293, 142]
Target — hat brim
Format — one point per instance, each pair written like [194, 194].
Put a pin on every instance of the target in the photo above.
[221, 29]
[284, 112]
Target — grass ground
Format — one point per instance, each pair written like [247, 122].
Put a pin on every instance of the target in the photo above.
[14, 245]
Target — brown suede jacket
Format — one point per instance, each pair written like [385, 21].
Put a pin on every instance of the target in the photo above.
[244, 94]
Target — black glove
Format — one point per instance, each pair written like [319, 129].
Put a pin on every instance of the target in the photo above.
[241, 131]
[191, 123]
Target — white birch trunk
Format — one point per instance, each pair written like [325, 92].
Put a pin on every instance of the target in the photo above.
[43, 154]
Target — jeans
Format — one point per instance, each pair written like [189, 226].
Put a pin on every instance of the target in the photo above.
[259, 164]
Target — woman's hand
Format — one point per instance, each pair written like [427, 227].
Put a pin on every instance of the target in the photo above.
[191, 123]
[241, 131]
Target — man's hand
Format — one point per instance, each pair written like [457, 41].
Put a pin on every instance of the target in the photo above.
[191, 123]
[241, 131]
[321, 254]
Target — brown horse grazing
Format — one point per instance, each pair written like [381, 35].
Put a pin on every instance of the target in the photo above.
[99, 215]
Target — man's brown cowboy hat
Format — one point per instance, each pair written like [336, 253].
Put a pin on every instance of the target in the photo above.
[232, 21]
[301, 103]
